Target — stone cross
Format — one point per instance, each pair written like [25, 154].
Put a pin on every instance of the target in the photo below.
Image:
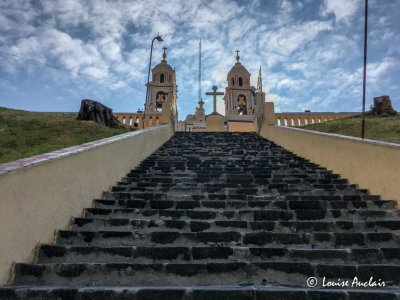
[214, 93]
[237, 55]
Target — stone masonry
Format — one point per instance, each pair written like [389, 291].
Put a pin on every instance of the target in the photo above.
[220, 216]
[383, 105]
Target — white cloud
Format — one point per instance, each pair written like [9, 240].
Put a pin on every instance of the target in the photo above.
[342, 9]
[309, 59]
[290, 38]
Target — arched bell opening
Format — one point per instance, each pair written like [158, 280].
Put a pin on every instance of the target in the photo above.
[160, 100]
[242, 104]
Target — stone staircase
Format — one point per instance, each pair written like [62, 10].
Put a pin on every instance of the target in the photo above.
[221, 216]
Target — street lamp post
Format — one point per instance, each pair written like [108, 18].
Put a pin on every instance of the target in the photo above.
[365, 69]
[158, 38]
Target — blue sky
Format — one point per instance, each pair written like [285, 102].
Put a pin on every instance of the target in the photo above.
[310, 51]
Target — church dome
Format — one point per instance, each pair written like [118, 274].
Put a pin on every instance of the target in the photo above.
[238, 69]
[238, 76]
[163, 64]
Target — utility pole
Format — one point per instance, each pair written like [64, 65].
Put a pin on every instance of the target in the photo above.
[200, 70]
[365, 69]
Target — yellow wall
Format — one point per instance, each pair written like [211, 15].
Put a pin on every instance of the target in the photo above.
[150, 121]
[242, 127]
[372, 165]
[38, 199]
[215, 123]
[301, 119]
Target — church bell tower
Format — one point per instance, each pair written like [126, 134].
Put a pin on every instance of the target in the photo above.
[163, 82]
[239, 95]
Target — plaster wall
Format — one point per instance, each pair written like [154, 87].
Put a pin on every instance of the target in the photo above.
[215, 123]
[152, 119]
[373, 165]
[43, 196]
[293, 119]
[240, 127]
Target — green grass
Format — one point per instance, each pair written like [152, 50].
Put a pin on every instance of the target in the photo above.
[24, 133]
[376, 128]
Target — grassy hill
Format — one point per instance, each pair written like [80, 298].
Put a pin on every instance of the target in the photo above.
[24, 133]
[376, 128]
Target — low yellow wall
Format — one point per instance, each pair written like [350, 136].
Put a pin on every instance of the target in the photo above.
[243, 127]
[372, 165]
[215, 123]
[38, 199]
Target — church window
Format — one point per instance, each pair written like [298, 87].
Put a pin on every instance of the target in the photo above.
[240, 81]
[162, 78]
[233, 81]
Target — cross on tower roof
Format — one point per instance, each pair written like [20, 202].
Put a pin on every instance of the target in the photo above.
[214, 93]
[164, 54]
[237, 55]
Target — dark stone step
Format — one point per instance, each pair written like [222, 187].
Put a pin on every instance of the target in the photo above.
[191, 273]
[124, 224]
[247, 214]
[239, 204]
[236, 292]
[168, 193]
[91, 254]
[234, 238]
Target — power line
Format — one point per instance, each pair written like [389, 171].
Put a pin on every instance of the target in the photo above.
[62, 69]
